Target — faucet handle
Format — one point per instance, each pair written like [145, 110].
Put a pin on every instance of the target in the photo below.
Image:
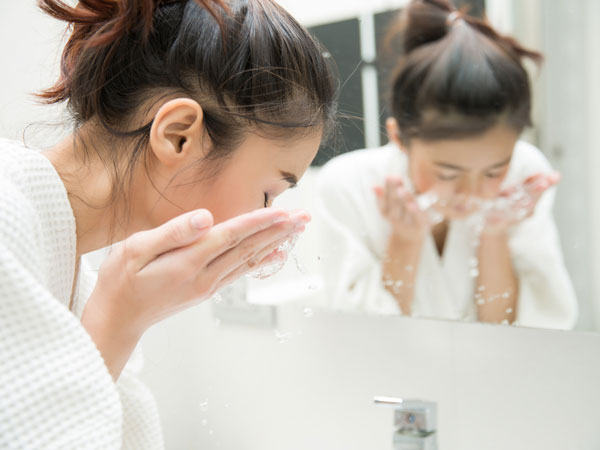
[411, 415]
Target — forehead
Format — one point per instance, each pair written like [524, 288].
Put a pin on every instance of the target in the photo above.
[490, 148]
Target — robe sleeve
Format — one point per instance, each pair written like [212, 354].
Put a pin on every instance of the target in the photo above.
[351, 269]
[55, 390]
[546, 295]
[141, 424]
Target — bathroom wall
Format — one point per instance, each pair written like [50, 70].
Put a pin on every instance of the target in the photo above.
[30, 49]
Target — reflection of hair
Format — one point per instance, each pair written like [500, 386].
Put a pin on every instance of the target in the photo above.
[248, 63]
[457, 76]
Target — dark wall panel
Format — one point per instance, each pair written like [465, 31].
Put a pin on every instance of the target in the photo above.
[342, 41]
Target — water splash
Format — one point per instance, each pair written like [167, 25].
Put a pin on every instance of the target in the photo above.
[427, 203]
[280, 256]
[283, 336]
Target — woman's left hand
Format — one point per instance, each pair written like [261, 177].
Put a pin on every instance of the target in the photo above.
[517, 203]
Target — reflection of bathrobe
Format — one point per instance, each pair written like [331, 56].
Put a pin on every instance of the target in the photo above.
[355, 237]
[55, 390]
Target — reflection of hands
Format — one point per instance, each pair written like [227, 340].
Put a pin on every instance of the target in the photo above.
[517, 203]
[399, 206]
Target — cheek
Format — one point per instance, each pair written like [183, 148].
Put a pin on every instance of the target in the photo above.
[422, 179]
[491, 187]
[228, 201]
[223, 200]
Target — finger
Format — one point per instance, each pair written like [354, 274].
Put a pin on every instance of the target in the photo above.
[378, 191]
[230, 234]
[252, 246]
[270, 255]
[542, 181]
[176, 233]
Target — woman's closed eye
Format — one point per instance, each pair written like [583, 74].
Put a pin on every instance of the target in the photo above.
[446, 177]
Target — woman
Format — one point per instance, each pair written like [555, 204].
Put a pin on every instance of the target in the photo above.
[190, 118]
[452, 219]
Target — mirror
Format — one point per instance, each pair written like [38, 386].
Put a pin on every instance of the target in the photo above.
[210, 378]
[339, 263]
[565, 109]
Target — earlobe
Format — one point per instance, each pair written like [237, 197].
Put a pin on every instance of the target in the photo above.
[177, 131]
[391, 125]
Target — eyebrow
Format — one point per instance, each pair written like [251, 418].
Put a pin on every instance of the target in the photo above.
[290, 178]
[462, 169]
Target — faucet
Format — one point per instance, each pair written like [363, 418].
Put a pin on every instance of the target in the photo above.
[414, 423]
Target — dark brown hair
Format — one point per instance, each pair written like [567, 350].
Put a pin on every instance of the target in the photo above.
[457, 76]
[248, 63]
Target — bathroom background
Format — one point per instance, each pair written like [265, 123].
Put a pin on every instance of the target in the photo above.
[305, 379]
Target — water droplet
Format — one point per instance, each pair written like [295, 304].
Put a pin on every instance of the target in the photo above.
[204, 422]
[283, 336]
[308, 312]
[473, 262]
[481, 288]
[399, 283]
[297, 261]
[505, 322]
[226, 405]
[217, 298]
[409, 268]
[312, 287]
[211, 432]
[481, 301]
[509, 310]
[506, 295]
[474, 272]
[204, 406]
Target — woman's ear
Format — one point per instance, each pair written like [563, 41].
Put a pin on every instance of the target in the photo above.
[393, 131]
[177, 131]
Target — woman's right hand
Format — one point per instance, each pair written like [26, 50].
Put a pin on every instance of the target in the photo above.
[399, 206]
[156, 273]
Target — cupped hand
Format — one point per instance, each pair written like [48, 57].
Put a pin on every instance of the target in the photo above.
[399, 206]
[156, 273]
[518, 202]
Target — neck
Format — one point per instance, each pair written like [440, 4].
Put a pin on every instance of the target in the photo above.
[89, 186]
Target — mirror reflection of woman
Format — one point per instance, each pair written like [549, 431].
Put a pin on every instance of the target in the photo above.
[453, 218]
[190, 117]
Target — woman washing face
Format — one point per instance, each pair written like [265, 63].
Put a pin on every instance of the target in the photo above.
[190, 118]
[452, 219]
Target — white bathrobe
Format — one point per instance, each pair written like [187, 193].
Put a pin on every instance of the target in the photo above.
[355, 235]
[55, 390]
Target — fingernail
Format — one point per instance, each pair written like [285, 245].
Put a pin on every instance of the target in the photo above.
[200, 221]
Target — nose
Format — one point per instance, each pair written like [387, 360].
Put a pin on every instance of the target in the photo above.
[469, 187]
